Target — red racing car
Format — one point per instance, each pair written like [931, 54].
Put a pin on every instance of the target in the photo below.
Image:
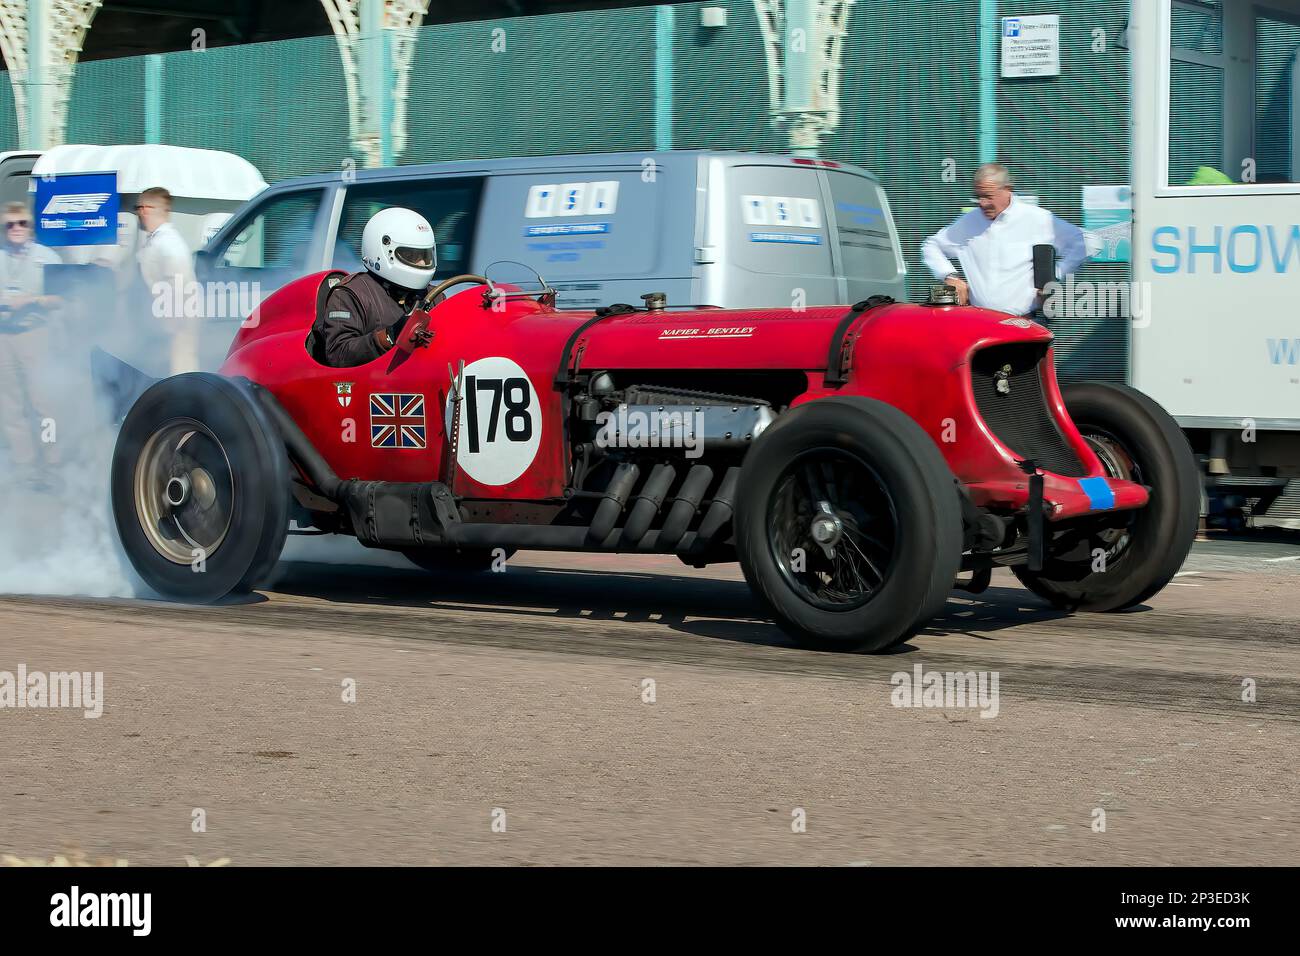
[854, 460]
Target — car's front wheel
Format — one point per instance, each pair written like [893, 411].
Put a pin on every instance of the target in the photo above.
[1118, 566]
[848, 525]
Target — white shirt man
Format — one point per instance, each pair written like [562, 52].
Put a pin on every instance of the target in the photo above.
[164, 256]
[167, 268]
[994, 246]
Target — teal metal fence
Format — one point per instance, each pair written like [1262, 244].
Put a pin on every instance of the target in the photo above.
[580, 82]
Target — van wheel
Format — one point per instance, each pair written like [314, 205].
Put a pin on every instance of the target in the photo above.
[848, 525]
[199, 488]
[1136, 440]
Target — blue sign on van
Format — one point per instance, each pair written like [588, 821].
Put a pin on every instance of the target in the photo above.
[76, 209]
[797, 238]
[569, 229]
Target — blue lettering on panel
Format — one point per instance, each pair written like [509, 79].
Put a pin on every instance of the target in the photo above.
[1284, 351]
[568, 229]
[1283, 263]
[580, 244]
[790, 237]
[1171, 253]
[1214, 248]
[1234, 261]
[1168, 250]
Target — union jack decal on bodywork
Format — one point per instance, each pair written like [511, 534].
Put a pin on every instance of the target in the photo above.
[397, 420]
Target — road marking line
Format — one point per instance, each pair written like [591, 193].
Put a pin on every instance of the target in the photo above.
[1182, 584]
[1292, 557]
[1183, 574]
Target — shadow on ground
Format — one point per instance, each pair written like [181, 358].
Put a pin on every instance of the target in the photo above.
[719, 609]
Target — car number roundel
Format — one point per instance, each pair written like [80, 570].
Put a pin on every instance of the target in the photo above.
[500, 421]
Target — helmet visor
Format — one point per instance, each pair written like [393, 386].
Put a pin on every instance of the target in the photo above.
[418, 258]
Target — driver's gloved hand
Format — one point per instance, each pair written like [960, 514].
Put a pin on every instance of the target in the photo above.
[419, 339]
[395, 330]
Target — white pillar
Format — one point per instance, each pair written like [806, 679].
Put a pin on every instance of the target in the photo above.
[41, 41]
[37, 75]
[804, 43]
[376, 40]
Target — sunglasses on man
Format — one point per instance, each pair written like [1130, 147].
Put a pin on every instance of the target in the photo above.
[15, 223]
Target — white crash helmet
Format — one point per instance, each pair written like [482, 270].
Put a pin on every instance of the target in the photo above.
[397, 244]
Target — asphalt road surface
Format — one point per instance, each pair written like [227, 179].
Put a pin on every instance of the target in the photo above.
[507, 719]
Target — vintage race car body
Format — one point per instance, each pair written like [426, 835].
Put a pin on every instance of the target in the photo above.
[853, 459]
[924, 360]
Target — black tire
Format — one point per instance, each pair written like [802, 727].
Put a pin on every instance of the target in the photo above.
[451, 561]
[237, 480]
[1155, 542]
[891, 492]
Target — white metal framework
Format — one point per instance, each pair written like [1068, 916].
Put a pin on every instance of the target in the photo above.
[804, 44]
[41, 57]
[370, 64]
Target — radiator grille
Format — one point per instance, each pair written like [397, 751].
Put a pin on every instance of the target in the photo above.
[1019, 416]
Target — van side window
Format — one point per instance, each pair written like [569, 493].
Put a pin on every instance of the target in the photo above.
[277, 237]
[14, 183]
[450, 205]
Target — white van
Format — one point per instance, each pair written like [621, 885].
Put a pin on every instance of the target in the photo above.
[705, 227]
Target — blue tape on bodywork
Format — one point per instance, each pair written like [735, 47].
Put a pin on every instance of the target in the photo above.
[1098, 490]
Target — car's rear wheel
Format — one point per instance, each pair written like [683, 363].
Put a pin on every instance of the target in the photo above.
[1091, 567]
[848, 525]
[199, 488]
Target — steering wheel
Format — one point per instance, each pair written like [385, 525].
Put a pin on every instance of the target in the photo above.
[415, 331]
[429, 297]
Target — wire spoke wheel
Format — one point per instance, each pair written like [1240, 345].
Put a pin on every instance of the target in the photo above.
[1119, 463]
[1109, 562]
[833, 529]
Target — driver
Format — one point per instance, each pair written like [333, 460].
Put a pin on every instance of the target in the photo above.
[364, 313]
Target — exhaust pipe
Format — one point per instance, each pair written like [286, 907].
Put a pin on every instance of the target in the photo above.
[648, 503]
[720, 510]
[685, 506]
[615, 497]
[301, 450]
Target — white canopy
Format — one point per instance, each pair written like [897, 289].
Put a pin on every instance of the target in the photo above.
[183, 171]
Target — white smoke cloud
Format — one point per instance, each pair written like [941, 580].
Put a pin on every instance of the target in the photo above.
[56, 529]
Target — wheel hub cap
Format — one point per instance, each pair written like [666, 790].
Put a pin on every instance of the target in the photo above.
[184, 491]
[178, 490]
[827, 529]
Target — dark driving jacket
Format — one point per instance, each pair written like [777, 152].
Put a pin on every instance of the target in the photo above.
[356, 307]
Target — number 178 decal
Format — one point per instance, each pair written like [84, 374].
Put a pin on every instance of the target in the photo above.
[500, 421]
